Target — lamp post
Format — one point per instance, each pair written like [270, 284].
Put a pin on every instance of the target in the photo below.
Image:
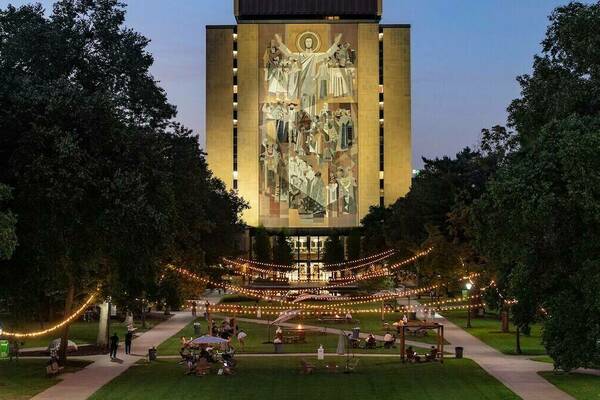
[469, 286]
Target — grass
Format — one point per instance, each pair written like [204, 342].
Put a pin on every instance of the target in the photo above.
[82, 332]
[25, 378]
[487, 329]
[580, 386]
[257, 334]
[544, 359]
[279, 378]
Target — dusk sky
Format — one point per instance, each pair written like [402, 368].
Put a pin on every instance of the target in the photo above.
[465, 57]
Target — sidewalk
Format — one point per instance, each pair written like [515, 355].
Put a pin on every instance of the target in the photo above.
[518, 374]
[82, 384]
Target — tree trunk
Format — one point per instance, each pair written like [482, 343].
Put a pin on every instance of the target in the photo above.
[64, 340]
[504, 322]
[102, 338]
[519, 341]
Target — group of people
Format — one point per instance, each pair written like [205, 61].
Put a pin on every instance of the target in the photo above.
[412, 356]
[114, 343]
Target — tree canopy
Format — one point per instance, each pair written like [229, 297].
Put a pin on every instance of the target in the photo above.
[106, 185]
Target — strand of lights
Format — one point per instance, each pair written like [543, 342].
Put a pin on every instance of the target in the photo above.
[378, 273]
[398, 264]
[382, 255]
[64, 322]
[362, 262]
[235, 264]
[346, 300]
[219, 309]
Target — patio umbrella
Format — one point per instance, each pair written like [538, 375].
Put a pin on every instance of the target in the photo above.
[55, 345]
[207, 339]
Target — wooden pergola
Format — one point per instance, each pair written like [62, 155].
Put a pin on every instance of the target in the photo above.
[422, 326]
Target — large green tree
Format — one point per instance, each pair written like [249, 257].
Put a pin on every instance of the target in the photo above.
[539, 220]
[107, 187]
[8, 221]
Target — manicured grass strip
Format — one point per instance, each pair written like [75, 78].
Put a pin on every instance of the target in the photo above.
[257, 334]
[544, 359]
[278, 378]
[580, 386]
[25, 378]
[488, 330]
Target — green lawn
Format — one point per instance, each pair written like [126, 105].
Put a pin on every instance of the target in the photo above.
[487, 329]
[279, 378]
[83, 332]
[24, 378]
[580, 386]
[544, 359]
[257, 334]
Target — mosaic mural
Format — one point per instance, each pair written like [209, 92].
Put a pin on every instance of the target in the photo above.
[308, 130]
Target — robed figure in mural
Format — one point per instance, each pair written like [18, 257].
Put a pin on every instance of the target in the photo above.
[309, 61]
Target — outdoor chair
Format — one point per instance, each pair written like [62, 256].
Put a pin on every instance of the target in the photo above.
[306, 368]
[53, 369]
[351, 365]
[202, 367]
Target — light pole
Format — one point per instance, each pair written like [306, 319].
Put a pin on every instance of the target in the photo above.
[469, 286]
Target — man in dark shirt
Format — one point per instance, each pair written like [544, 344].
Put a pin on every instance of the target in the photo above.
[114, 344]
[128, 339]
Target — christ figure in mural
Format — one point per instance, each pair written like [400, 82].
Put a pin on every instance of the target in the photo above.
[309, 60]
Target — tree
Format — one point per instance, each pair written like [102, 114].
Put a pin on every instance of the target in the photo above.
[282, 251]
[353, 243]
[107, 187]
[333, 250]
[262, 245]
[539, 224]
[8, 220]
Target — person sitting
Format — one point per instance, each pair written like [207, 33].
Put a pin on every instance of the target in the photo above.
[388, 341]
[348, 317]
[371, 343]
[205, 354]
[433, 353]
[412, 356]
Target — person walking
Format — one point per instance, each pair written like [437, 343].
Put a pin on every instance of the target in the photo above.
[114, 344]
[128, 340]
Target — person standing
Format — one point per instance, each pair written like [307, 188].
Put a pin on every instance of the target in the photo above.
[114, 344]
[128, 339]
[241, 336]
[194, 309]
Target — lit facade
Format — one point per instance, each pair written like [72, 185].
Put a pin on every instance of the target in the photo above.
[308, 114]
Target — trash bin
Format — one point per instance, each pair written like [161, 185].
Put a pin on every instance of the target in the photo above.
[152, 354]
[458, 351]
[196, 328]
[278, 347]
[355, 333]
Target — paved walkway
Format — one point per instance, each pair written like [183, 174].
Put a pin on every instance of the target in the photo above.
[518, 374]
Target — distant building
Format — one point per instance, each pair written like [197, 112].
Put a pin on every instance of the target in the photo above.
[308, 115]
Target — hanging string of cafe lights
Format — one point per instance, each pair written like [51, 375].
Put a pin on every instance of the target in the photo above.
[220, 309]
[59, 325]
[363, 262]
[240, 267]
[395, 265]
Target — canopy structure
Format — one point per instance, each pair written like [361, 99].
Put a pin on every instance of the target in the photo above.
[418, 326]
[207, 339]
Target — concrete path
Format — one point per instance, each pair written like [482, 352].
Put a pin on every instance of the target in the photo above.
[518, 374]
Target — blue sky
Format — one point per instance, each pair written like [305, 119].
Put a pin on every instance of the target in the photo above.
[465, 57]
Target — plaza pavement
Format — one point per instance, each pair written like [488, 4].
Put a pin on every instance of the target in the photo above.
[82, 384]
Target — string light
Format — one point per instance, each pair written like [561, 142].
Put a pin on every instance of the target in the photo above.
[382, 255]
[64, 322]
